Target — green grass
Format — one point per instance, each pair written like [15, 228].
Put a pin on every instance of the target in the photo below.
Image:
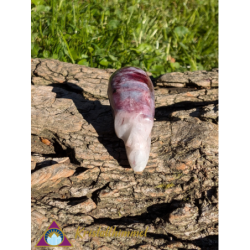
[157, 35]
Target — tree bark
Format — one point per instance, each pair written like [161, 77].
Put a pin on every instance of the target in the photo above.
[81, 176]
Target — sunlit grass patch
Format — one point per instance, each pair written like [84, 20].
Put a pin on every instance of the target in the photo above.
[159, 36]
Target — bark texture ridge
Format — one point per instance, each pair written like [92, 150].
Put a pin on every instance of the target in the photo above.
[81, 176]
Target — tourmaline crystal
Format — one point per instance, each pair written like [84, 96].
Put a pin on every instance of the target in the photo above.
[131, 96]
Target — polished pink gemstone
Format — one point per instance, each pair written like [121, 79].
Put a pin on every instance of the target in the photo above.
[131, 95]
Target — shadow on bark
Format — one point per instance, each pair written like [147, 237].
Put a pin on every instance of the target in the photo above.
[95, 119]
[103, 112]
[206, 243]
[158, 215]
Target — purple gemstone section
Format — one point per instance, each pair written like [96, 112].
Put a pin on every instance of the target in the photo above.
[130, 89]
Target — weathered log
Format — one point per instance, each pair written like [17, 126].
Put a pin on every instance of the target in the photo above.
[81, 176]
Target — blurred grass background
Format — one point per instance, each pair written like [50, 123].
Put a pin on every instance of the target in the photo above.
[158, 36]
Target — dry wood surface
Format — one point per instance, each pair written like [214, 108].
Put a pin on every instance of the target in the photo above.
[79, 168]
